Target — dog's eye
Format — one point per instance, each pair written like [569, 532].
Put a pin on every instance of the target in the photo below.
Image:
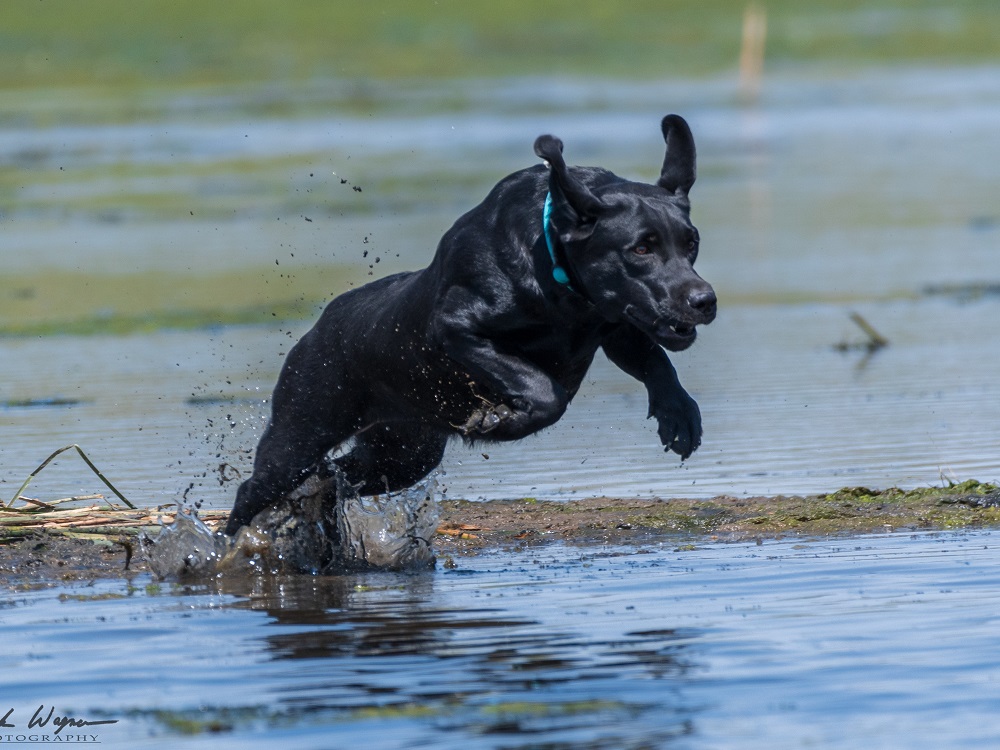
[641, 250]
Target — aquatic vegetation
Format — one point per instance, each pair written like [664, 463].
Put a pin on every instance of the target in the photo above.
[326, 527]
[488, 716]
[36, 403]
[104, 523]
[200, 45]
[143, 302]
[852, 510]
[97, 522]
[379, 531]
[86, 460]
[178, 320]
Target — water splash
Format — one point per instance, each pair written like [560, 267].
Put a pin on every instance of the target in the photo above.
[186, 547]
[323, 527]
[390, 531]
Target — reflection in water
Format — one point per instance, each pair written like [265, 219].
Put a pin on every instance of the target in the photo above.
[379, 646]
[883, 641]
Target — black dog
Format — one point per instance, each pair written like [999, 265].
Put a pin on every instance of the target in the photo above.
[492, 340]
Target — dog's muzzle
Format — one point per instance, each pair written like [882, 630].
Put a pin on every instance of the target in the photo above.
[669, 332]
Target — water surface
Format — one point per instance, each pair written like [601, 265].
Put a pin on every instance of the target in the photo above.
[835, 192]
[884, 641]
[831, 195]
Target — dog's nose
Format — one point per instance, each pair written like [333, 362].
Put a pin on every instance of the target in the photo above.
[704, 302]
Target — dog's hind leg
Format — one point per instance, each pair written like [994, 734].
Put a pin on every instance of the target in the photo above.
[282, 462]
[301, 432]
[392, 456]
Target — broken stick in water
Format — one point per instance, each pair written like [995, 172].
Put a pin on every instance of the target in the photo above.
[875, 340]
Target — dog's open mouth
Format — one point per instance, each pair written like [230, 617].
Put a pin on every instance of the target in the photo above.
[673, 334]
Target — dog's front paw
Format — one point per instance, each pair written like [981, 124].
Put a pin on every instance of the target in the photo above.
[487, 419]
[678, 425]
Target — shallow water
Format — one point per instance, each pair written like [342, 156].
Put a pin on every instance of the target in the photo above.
[783, 412]
[832, 194]
[883, 641]
[317, 531]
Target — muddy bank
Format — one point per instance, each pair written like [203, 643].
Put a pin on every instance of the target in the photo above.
[44, 557]
[856, 510]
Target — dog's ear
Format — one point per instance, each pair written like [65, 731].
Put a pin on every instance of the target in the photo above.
[574, 207]
[679, 170]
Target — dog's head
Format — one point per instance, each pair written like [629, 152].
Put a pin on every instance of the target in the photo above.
[629, 247]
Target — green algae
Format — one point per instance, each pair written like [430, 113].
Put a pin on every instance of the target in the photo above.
[81, 303]
[213, 720]
[852, 510]
[179, 320]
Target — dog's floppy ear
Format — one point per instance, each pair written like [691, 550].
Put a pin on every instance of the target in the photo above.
[574, 207]
[679, 170]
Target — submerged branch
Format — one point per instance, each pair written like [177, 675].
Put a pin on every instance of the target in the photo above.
[872, 344]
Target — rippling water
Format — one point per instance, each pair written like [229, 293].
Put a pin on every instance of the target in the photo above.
[783, 411]
[885, 641]
[833, 195]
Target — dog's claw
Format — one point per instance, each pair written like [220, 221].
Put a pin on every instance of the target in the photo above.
[472, 422]
[486, 420]
[679, 424]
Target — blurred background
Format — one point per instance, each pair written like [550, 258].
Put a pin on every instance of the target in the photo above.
[184, 185]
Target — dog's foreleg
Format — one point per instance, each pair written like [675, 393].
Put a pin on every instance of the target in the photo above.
[677, 414]
[527, 399]
[275, 473]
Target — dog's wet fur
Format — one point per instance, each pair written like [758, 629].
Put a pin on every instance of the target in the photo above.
[491, 341]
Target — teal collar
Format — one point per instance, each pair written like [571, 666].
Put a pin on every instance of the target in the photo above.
[558, 272]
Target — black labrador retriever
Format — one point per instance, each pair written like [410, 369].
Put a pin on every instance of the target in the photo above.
[492, 340]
